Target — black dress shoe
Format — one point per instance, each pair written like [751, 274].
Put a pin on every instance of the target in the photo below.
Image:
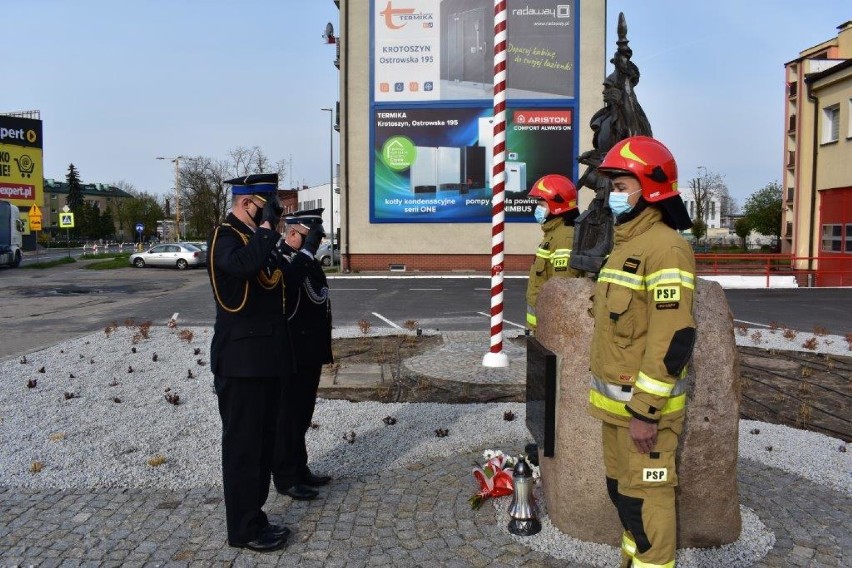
[300, 492]
[280, 531]
[316, 480]
[266, 542]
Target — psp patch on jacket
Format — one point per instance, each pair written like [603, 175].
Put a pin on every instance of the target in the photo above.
[667, 294]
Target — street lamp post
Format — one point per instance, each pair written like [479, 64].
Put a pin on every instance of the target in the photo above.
[330, 112]
[176, 160]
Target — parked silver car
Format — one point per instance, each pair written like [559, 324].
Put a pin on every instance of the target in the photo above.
[324, 254]
[179, 255]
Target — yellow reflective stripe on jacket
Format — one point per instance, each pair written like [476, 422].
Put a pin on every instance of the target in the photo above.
[543, 253]
[670, 276]
[622, 278]
[653, 386]
[598, 400]
[612, 391]
[532, 320]
[627, 545]
[639, 564]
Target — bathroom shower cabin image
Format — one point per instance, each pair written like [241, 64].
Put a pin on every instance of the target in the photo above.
[467, 48]
[541, 42]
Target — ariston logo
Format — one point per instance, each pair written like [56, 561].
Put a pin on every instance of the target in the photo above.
[403, 16]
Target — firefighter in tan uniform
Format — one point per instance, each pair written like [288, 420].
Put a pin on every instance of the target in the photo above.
[556, 212]
[643, 339]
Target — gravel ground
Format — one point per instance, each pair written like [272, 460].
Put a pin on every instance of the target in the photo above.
[767, 338]
[96, 414]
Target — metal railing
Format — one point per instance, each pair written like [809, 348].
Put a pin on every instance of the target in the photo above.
[835, 270]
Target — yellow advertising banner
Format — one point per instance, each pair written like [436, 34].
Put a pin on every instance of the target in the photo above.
[21, 163]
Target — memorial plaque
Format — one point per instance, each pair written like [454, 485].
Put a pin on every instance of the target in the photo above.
[541, 395]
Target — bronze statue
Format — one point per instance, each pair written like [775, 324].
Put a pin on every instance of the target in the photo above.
[621, 117]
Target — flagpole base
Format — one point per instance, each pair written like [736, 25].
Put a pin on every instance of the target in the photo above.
[495, 360]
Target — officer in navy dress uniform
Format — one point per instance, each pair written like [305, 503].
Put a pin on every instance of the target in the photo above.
[249, 354]
[308, 311]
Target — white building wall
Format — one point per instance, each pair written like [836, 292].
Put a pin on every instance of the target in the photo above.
[712, 212]
[319, 196]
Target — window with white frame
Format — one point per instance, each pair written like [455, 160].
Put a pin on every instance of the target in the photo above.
[831, 238]
[830, 124]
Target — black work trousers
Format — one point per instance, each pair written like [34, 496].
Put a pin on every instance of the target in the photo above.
[249, 410]
[298, 400]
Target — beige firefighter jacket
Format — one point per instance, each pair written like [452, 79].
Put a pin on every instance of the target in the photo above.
[644, 325]
[551, 259]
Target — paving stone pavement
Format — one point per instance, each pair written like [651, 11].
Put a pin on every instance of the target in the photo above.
[415, 516]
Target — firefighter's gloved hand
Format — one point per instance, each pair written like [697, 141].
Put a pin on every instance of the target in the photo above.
[272, 212]
[312, 241]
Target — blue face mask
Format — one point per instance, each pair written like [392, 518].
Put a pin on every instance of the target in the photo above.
[540, 213]
[618, 203]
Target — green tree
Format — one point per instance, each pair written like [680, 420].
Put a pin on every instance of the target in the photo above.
[107, 224]
[88, 221]
[742, 228]
[75, 189]
[763, 210]
[699, 229]
[143, 208]
[75, 200]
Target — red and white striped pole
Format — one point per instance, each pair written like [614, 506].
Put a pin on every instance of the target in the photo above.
[495, 356]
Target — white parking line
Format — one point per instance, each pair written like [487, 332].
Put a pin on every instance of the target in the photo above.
[752, 323]
[504, 321]
[425, 289]
[386, 320]
[336, 289]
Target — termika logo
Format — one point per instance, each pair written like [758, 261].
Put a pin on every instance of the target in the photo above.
[403, 15]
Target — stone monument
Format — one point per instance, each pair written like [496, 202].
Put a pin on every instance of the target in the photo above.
[574, 478]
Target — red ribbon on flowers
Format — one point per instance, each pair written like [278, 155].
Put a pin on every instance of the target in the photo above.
[494, 479]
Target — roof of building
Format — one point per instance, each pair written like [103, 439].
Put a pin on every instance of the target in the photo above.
[812, 77]
[99, 189]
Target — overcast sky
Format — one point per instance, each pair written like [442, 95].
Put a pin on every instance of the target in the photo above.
[119, 83]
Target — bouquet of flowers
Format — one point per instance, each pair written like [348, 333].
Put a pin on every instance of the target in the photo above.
[494, 478]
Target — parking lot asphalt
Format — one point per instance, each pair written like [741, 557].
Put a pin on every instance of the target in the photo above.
[41, 307]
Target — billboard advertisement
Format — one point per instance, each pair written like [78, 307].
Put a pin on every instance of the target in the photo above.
[21, 166]
[432, 126]
[433, 165]
[443, 50]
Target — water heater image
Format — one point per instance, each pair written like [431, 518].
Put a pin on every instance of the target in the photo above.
[449, 168]
[516, 176]
[424, 170]
[486, 137]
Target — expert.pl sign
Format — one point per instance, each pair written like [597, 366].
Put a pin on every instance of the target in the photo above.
[21, 172]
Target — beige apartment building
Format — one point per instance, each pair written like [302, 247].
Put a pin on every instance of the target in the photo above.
[817, 203]
[415, 119]
[103, 195]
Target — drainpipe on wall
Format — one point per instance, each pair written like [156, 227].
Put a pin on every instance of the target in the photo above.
[345, 139]
[815, 101]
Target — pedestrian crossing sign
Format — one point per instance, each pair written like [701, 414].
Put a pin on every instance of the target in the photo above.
[66, 220]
